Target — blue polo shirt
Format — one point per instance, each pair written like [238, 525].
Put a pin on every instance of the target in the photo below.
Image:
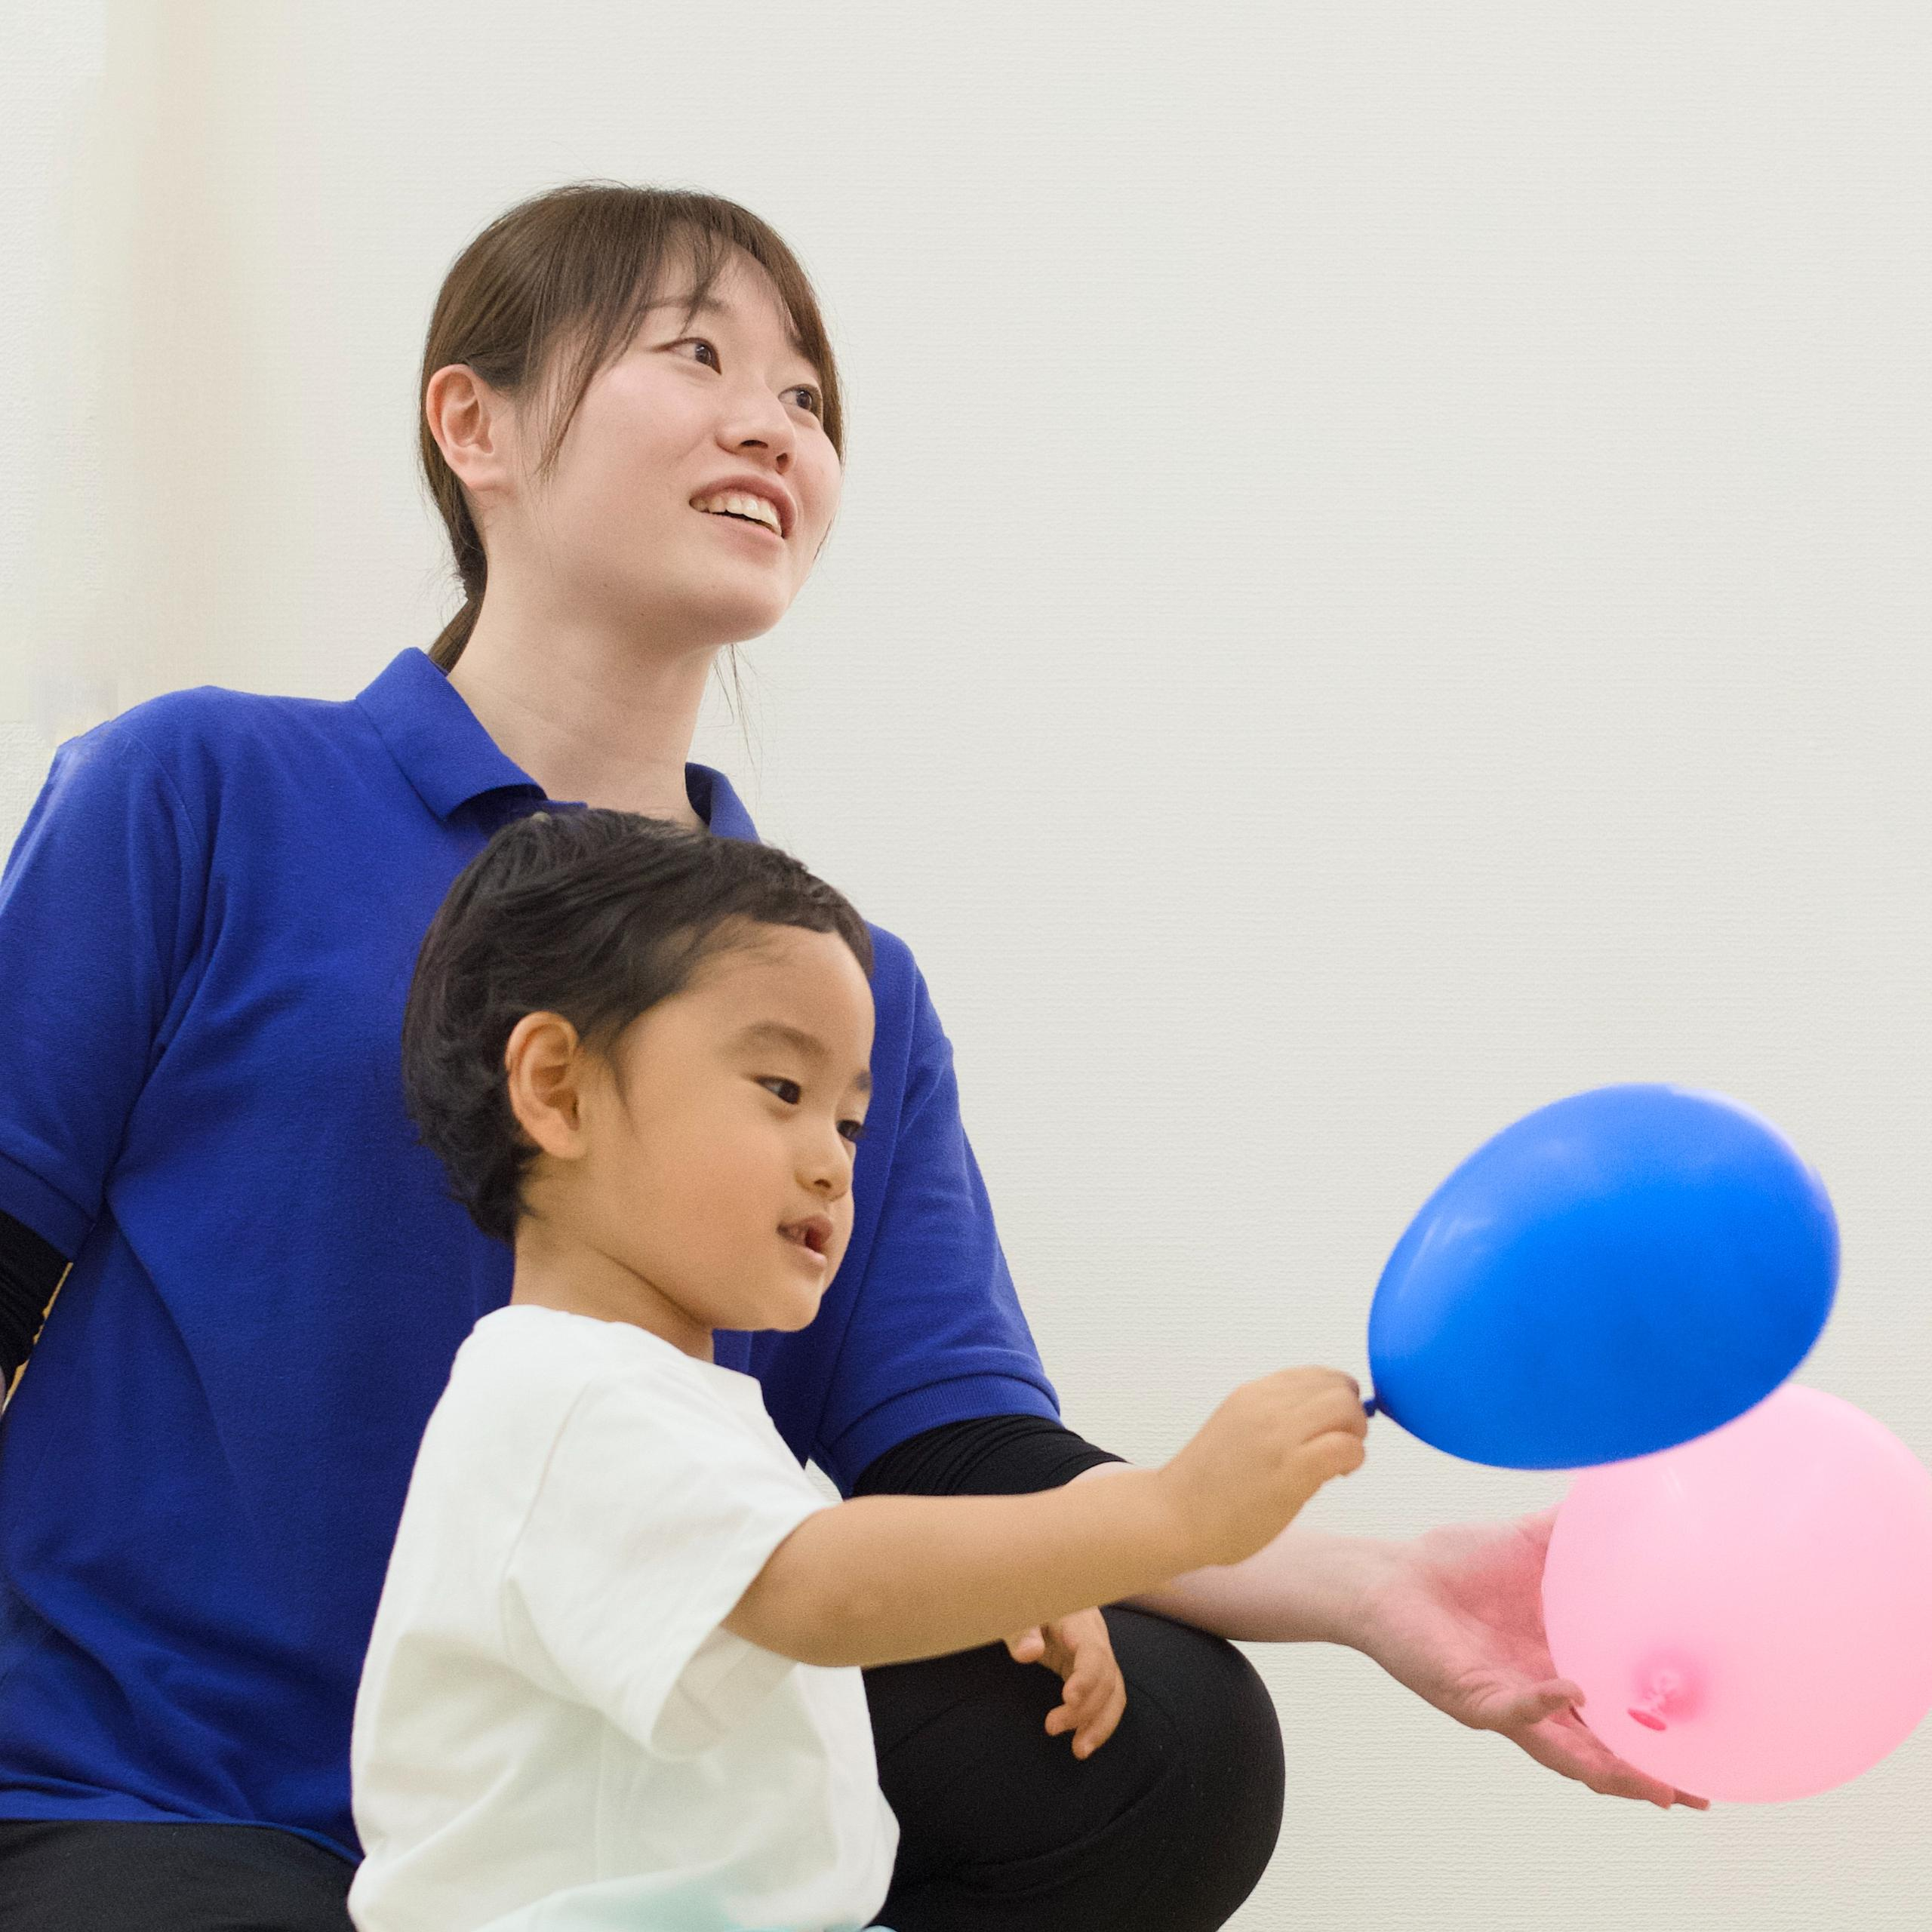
[208, 926]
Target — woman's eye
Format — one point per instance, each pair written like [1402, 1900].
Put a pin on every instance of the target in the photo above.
[858, 1127]
[775, 1080]
[816, 405]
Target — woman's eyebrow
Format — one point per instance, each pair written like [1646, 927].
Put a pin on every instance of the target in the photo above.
[763, 1032]
[711, 306]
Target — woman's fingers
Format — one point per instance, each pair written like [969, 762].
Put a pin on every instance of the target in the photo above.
[1565, 1744]
[1545, 1700]
[1555, 1736]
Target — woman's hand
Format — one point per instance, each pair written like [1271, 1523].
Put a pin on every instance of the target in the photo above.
[1457, 1616]
[1079, 1648]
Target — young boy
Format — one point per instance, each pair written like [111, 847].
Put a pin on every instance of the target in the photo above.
[614, 1676]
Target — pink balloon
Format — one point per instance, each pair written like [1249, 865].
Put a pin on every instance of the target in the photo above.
[1750, 1614]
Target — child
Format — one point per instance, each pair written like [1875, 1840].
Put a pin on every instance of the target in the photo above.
[614, 1677]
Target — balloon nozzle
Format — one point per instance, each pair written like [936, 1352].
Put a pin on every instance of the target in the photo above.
[1664, 1688]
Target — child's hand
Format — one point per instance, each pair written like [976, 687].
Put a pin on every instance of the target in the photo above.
[1079, 1648]
[1260, 1456]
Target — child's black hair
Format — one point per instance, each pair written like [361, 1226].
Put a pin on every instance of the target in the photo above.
[593, 914]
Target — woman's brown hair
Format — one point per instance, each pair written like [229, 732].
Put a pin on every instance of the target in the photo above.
[573, 269]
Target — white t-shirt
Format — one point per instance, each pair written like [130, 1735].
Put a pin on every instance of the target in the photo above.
[554, 1730]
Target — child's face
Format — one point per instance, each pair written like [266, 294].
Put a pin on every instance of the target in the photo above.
[727, 1133]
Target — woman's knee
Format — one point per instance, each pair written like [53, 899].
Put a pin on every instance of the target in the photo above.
[1168, 1826]
[1221, 1719]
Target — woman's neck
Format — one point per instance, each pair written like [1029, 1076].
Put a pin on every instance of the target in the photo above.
[588, 722]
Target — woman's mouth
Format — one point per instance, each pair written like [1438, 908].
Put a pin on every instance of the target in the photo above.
[745, 523]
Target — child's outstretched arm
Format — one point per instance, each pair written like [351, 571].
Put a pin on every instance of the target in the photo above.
[885, 1579]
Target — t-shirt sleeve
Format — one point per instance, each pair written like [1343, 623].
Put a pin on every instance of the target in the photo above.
[657, 1507]
[936, 1334]
[100, 911]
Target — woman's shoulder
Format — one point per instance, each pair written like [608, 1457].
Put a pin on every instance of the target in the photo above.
[207, 740]
[898, 984]
[198, 718]
[891, 956]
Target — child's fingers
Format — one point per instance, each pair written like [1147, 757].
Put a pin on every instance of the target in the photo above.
[1027, 1646]
[1086, 1690]
[1090, 1706]
[1090, 1737]
[1066, 1714]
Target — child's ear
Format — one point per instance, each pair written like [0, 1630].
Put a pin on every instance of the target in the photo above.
[544, 1069]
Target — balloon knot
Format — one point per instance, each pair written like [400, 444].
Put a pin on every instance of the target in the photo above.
[1664, 1685]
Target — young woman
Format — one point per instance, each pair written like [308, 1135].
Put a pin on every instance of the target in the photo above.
[632, 426]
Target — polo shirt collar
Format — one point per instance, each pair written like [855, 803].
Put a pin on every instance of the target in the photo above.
[444, 752]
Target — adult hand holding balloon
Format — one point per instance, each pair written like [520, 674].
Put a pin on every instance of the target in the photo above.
[1627, 1278]
[1614, 1274]
[1748, 1614]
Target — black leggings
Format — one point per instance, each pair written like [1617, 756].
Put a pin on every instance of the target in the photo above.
[1167, 1828]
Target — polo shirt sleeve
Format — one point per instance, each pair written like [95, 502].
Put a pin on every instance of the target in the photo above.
[936, 1333]
[656, 1510]
[101, 900]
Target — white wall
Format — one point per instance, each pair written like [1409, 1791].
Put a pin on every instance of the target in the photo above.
[1382, 581]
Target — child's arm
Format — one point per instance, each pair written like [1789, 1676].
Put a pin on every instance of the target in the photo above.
[884, 1579]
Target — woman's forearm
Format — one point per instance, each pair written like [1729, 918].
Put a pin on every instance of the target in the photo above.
[1306, 1587]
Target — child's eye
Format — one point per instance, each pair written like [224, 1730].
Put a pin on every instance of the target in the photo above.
[857, 1127]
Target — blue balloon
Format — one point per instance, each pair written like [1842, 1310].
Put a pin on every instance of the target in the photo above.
[1612, 1275]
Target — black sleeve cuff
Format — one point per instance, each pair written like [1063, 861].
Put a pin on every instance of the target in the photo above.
[30, 1270]
[983, 1456]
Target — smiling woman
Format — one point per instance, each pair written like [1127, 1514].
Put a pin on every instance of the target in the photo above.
[602, 286]
[236, 1376]
[208, 925]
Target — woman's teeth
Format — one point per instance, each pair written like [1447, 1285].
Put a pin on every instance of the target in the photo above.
[753, 509]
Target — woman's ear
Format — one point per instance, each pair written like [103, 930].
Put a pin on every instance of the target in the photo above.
[474, 426]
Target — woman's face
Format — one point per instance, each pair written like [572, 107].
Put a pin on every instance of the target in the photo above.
[612, 534]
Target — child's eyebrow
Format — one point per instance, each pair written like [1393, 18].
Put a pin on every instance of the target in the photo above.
[767, 1032]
